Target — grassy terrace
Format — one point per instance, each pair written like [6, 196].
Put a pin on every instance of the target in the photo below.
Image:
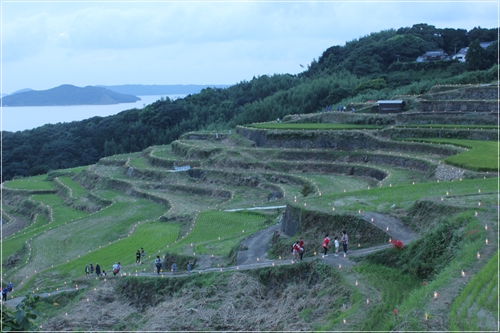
[315, 126]
[31, 183]
[447, 126]
[218, 232]
[481, 156]
[380, 199]
[53, 252]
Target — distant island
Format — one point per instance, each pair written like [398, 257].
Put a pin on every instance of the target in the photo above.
[68, 95]
[153, 89]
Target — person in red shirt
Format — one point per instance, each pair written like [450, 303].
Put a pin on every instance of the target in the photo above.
[301, 247]
[326, 241]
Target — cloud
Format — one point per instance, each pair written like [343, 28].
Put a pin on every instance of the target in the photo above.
[197, 42]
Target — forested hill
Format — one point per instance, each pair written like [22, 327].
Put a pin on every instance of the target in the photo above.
[68, 95]
[364, 69]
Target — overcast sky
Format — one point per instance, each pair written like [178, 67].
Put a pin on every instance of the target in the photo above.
[46, 44]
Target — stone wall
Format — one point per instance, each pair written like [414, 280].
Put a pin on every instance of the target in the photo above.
[457, 105]
[337, 140]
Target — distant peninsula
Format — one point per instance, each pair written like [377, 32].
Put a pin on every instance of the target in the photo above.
[68, 95]
[154, 89]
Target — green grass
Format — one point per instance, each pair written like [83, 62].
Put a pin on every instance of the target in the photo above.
[152, 236]
[403, 196]
[480, 293]
[231, 227]
[77, 189]
[417, 303]
[309, 126]
[62, 214]
[30, 183]
[393, 287]
[447, 126]
[481, 156]
[139, 163]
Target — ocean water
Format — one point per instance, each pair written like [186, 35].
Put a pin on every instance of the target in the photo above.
[19, 118]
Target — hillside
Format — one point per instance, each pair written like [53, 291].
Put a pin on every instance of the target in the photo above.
[345, 174]
[343, 75]
[67, 95]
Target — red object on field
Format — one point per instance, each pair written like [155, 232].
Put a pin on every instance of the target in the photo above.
[397, 244]
[395, 312]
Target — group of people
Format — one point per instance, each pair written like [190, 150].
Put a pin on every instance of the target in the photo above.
[89, 270]
[344, 240]
[139, 255]
[298, 246]
[298, 249]
[173, 268]
[6, 290]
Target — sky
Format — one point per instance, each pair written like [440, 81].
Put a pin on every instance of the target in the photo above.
[46, 44]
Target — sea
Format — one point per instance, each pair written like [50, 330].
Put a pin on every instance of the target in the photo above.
[20, 118]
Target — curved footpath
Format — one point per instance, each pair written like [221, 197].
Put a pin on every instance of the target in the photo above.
[257, 245]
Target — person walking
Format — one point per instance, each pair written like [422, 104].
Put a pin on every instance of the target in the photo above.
[174, 268]
[326, 241]
[345, 241]
[87, 270]
[10, 287]
[189, 266]
[138, 258]
[336, 242]
[116, 268]
[5, 291]
[301, 247]
[91, 269]
[296, 250]
[97, 269]
[143, 255]
[158, 264]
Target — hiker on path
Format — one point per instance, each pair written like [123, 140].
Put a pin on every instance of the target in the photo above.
[174, 268]
[138, 258]
[10, 287]
[97, 269]
[116, 268]
[296, 250]
[5, 291]
[103, 273]
[345, 241]
[326, 241]
[91, 269]
[301, 247]
[336, 246]
[87, 271]
[189, 266]
[143, 254]
[158, 264]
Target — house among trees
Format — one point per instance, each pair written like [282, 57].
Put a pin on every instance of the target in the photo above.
[441, 55]
[433, 56]
[460, 56]
[390, 106]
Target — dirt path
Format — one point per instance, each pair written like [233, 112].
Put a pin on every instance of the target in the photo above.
[256, 246]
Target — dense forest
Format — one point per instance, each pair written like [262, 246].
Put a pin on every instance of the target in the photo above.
[376, 66]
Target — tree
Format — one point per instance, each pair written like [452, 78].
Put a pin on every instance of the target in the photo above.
[307, 189]
[476, 57]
